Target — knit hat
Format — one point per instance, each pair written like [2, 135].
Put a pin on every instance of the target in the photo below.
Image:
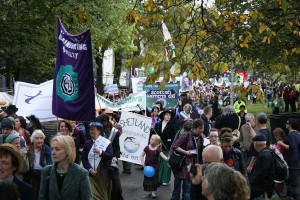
[11, 138]
[6, 123]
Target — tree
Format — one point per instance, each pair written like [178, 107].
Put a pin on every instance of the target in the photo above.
[256, 35]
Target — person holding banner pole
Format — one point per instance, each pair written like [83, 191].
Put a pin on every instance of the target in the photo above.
[113, 135]
[166, 130]
[96, 158]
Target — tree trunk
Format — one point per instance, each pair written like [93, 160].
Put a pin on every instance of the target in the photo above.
[99, 72]
[117, 72]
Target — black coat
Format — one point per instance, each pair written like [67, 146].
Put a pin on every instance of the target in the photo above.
[207, 125]
[239, 162]
[167, 135]
[26, 190]
[262, 174]
[229, 120]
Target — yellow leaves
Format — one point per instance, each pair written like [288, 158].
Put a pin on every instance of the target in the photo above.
[150, 6]
[221, 67]
[296, 33]
[225, 12]
[295, 50]
[283, 4]
[167, 3]
[201, 33]
[214, 23]
[262, 27]
[228, 26]
[254, 14]
[266, 39]
[243, 18]
[132, 17]
[282, 68]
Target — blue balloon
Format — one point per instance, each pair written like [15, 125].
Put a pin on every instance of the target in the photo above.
[149, 171]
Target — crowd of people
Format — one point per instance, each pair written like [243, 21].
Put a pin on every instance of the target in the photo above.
[225, 153]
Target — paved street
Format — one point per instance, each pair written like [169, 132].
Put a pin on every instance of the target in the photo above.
[133, 186]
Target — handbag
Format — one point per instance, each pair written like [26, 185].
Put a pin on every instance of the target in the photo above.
[177, 159]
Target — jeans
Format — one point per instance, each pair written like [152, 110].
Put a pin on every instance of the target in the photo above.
[186, 187]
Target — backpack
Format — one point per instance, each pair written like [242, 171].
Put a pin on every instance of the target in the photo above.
[282, 169]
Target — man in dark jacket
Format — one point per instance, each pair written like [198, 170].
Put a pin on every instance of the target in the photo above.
[207, 114]
[262, 174]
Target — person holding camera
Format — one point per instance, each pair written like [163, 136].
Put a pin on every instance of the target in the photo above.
[247, 132]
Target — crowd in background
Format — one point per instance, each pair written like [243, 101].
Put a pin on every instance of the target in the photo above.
[229, 149]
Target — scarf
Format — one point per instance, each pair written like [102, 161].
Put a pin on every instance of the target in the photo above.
[228, 157]
[93, 157]
[31, 156]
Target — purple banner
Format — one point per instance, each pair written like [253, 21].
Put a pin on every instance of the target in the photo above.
[73, 85]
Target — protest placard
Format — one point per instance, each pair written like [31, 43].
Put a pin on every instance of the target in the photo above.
[135, 136]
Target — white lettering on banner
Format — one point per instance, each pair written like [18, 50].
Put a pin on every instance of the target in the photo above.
[70, 54]
[135, 136]
[70, 45]
[128, 104]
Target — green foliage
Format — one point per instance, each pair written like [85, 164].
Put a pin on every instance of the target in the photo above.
[263, 35]
[27, 43]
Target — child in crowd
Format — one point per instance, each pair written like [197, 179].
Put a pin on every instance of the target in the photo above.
[152, 152]
[280, 136]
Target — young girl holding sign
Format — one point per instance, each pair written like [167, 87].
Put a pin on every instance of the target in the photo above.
[152, 152]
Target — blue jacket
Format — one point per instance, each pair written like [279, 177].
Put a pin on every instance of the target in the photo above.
[26, 190]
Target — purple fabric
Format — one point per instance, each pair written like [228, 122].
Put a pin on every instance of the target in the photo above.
[73, 85]
[152, 157]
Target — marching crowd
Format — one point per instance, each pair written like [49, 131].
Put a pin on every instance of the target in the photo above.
[213, 150]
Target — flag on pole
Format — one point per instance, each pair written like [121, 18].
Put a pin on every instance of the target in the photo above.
[73, 85]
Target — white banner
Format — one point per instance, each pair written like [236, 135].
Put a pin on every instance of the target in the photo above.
[32, 99]
[135, 136]
[134, 102]
[111, 89]
[138, 84]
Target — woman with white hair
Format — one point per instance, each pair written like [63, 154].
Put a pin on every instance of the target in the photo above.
[221, 182]
[39, 155]
[187, 114]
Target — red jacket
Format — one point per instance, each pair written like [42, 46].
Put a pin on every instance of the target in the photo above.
[286, 95]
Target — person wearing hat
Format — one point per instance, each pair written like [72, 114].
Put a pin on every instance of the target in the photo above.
[34, 123]
[11, 111]
[166, 130]
[16, 141]
[291, 154]
[6, 129]
[263, 171]
[11, 162]
[96, 158]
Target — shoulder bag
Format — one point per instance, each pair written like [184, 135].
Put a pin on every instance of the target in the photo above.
[177, 159]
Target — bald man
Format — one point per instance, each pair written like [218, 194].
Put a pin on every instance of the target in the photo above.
[210, 154]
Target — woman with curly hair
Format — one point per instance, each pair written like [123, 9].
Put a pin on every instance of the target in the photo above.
[232, 156]
[217, 177]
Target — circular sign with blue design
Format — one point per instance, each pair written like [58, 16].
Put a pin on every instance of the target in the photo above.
[67, 83]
